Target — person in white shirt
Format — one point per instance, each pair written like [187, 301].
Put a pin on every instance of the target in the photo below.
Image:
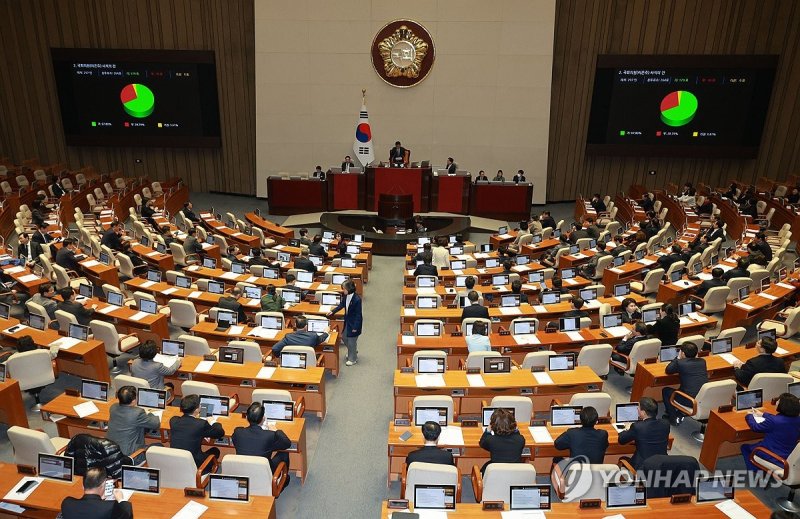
[441, 256]
[478, 340]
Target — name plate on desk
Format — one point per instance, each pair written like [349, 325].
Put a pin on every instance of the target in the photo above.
[493, 505]
[473, 371]
[402, 422]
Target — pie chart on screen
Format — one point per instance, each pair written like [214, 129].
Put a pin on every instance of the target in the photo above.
[678, 108]
[137, 100]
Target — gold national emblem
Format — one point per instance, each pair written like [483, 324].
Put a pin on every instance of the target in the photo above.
[402, 53]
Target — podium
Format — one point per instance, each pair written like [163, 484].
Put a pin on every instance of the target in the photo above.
[395, 210]
[399, 181]
[450, 193]
[346, 191]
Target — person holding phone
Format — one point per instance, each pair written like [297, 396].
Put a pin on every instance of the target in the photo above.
[502, 439]
[91, 504]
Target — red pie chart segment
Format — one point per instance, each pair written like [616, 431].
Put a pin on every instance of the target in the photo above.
[670, 101]
[129, 94]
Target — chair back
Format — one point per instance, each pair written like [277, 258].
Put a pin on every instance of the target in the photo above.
[252, 351]
[28, 443]
[475, 358]
[32, 369]
[600, 401]
[177, 466]
[735, 284]
[280, 395]
[651, 281]
[596, 357]
[107, 333]
[697, 340]
[437, 354]
[419, 473]
[182, 313]
[433, 401]
[65, 319]
[195, 345]
[194, 387]
[36, 308]
[500, 477]
[772, 384]
[715, 300]
[311, 356]
[256, 468]
[712, 395]
[593, 474]
[127, 380]
[523, 406]
[736, 334]
[536, 358]
[645, 349]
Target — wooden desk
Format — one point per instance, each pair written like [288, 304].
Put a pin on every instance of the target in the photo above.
[725, 435]
[757, 307]
[470, 454]
[149, 326]
[162, 262]
[242, 379]
[232, 236]
[650, 379]
[329, 349]
[280, 234]
[468, 399]
[676, 293]
[12, 410]
[97, 424]
[98, 273]
[25, 278]
[654, 507]
[86, 359]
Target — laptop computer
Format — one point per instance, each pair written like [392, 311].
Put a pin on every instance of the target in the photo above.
[569, 324]
[430, 364]
[115, 298]
[794, 388]
[626, 495]
[749, 399]
[5, 310]
[183, 282]
[331, 299]
[550, 298]
[561, 362]
[252, 292]
[685, 308]
[625, 414]
[278, 410]
[510, 300]
[141, 479]
[622, 290]
[293, 360]
[94, 390]
[348, 263]
[430, 414]
[216, 287]
[588, 294]
[492, 262]
[612, 320]
[529, 497]
[36, 321]
[171, 347]
[714, 488]
[271, 322]
[318, 326]
[225, 319]
[316, 260]
[238, 268]
[229, 488]
[2, 372]
[435, 497]
[104, 258]
[567, 273]
[84, 292]
[720, 346]
[290, 296]
[154, 276]
[147, 306]
[79, 331]
[151, 398]
[58, 468]
[487, 412]
[304, 276]
[650, 316]
[500, 280]
[209, 263]
[667, 353]
[269, 273]
[214, 406]
[427, 302]
[495, 365]
[565, 415]
[523, 260]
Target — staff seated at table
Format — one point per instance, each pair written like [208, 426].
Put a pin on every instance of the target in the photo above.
[128, 423]
[502, 439]
[584, 440]
[303, 263]
[650, 434]
[427, 268]
[430, 453]
[739, 271]
[231, 253]
[592, 228]
[271, 301]
[499, 176]
[189, 213]
[44, 297]
[299, 337]
[707, 284]
[478, 340]
[270, 443]
[397, 155]
[65, 257]
[646, 203]
[81, 313]
[419, 255]
[92, 505]
[667, 327]
[519, 177]
[474, 308]
[112, 237]
[516, 288]
[638, 333]
[151, 370]
[190, 244]
[692, 373]
[188, 431]
[547, 220]
[28, 250]
[764, 362]
[257, 258]
[760, 245]
[577, 304]
[577, 232]
[630, 312]
[590, 269]
[347, 163]
[481, 176]
[781, 431]
[675, 254]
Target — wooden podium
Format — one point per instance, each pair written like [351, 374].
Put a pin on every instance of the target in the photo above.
[399, 181]
[395, 210]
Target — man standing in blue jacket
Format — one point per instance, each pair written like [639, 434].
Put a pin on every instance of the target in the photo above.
[353, 320]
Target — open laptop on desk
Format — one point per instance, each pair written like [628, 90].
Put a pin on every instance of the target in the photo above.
[749, 399]
[487, 412]
[565, 415]
[231, 355]
[225, 319]
[216, 287]
[626, 414]
[427, 329]
[229, 488]
[278, 410]
[293, 360]
[151, 398]
[183, 282]
[668, 353]
[79, 331]
[650, 316]
[84, 292]
[496, 365]
[530, 497]
[329, 299]
[550, 298]
[561, 362]
[141, 479]
[94, 390]
[56, 468]
[430, 364]
[714, 488]
[36, 321]
[430, 414]
[148, 306]
[115, 298]
[626, 495]
[172, 347]
[214, 406]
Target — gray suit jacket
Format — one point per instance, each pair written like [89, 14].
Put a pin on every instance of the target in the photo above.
[299, 338]
[153, 372]
[127, 424]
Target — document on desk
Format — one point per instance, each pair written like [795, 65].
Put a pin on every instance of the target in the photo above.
[192, 268]
[303, 285]
[539, 309]
[323, 286]
[195, 294]
[426, 291]
[571, 281]
[147, 284]
[169, 291]
[540, 434]
[475, 380]
[138, 316]
[153, 254]
[616, 270]
[543, 377]
[204, 366]
[229, 275]
[527, 338]
[510, 310]
[265, 373]
[252, 279]
[523, 514]
[768, 296]
[786, 286]
[697, 317]
[90, 263]
[85, 409]
[108, 309]
[65, 343]
[617, 331]
[646, 262]
[264, 333]
[451, 436]
[324, 309]
[730, 358]
[235, 330]
[592, 303]
[575, 336]
[408, 340]
[781, 351]
[733, 510]
[191, 510]
[166, 360]
[429, 380]
[15, 270]
[29, 278]
[410, 311]
[704, 276]
[743, 305]
[22, 496]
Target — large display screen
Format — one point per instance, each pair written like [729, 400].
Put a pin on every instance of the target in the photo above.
[137, 97]
[680, 105]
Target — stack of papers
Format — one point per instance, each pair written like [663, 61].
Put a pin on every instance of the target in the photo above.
[85, 409]
[617, 331]
[169, 291]
[410, 311]
[575, 336]
[527, 338]
[476, 380]
[29, 278]
[540, 434]
[195, 294]
[265, 373]
[426, 291]
[108, 309]
[768, 296]
[732, 509]
[15, 270]
[743, 305]
[166, 360]
[429, 380]
[539, 308]
[571, 281]
[138, 316]
[65, 343]
[786, 286]
[542, 377]
[730, 358]
[324, 309]
[204, 366]
[90, 263]
[451, 436]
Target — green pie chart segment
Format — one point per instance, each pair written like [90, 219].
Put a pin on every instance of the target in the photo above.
[678, 108]
[137, 100]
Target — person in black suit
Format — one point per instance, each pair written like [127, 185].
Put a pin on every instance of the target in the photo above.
[676, 254]
[188, 431]
[597, 203]
[56, 188]
[65, 257]
[189, 214]
[41, 236]
[92, 505]
[577, 232]
[426, 269]
[255, 441]
[502, 439]
[739, 271]
[708, 284]
[519, 177]
[764, 362]
[474, 308]
[650, 434]
[625, 346]
[692, 374]
[397, 154]
[547, 220]
[451, 166]
[149, 212]
[347, 164]
[420, 255]
[37, 217]
[231, 302]
[303, 263]
[318, 173]
[258, 259]
[516, 288]
[590, 269]
[717, 231]
[630, 312]
[430, 453]
[482, 176]
[81, 313]
[316, 247]
[577, 304]
[646, 203]
[584, 440]
[111, 238]
[28, 249]
[760, 245]
[667, 327]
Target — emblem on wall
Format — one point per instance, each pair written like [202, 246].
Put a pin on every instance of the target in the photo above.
[403, 53]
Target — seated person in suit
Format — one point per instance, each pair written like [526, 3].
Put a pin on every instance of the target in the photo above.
[507, 267]
[188, 431]
[128, 423]
[474, 308]
[304, 240]
[646, 203]
[478, 340]
[577, 232]
[92, 505]
[716, 231]
[397, 155]
[739, 271]
[28, 249]
[149, 211]
[419, 256]
[316, 248]
[347, 163]
[502, 439]
[547, 220]
[584, 440]
[430, 453]
[519, 177]
[271, 301]
[318, 173]
[692, 374]
[706, 208]
[764, 362]
[299, 337]
[290, 285]
[630, 312]
[427, 268]
[190, 245]
[499, 177]
[781, 431]
[231, 253]
[516, 288]
[676, 254]
[258, 258]
[44, 297]
[650, 434]
[667, 327]
[481, 176]
[231, 302]
[150, 370]
[56, 188]
[112, 238]
[794, 196]
[548, 259]
[760, 245]
[41, 235]
[708, 284]
[577, 304]
[625, 346]
[65, 257]
[270, 443]
[81, 313]
[451, 166]
[303, 263]
[558, 285]
[189, 213]
[597, 203]
[590, 269]
[592, 228]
